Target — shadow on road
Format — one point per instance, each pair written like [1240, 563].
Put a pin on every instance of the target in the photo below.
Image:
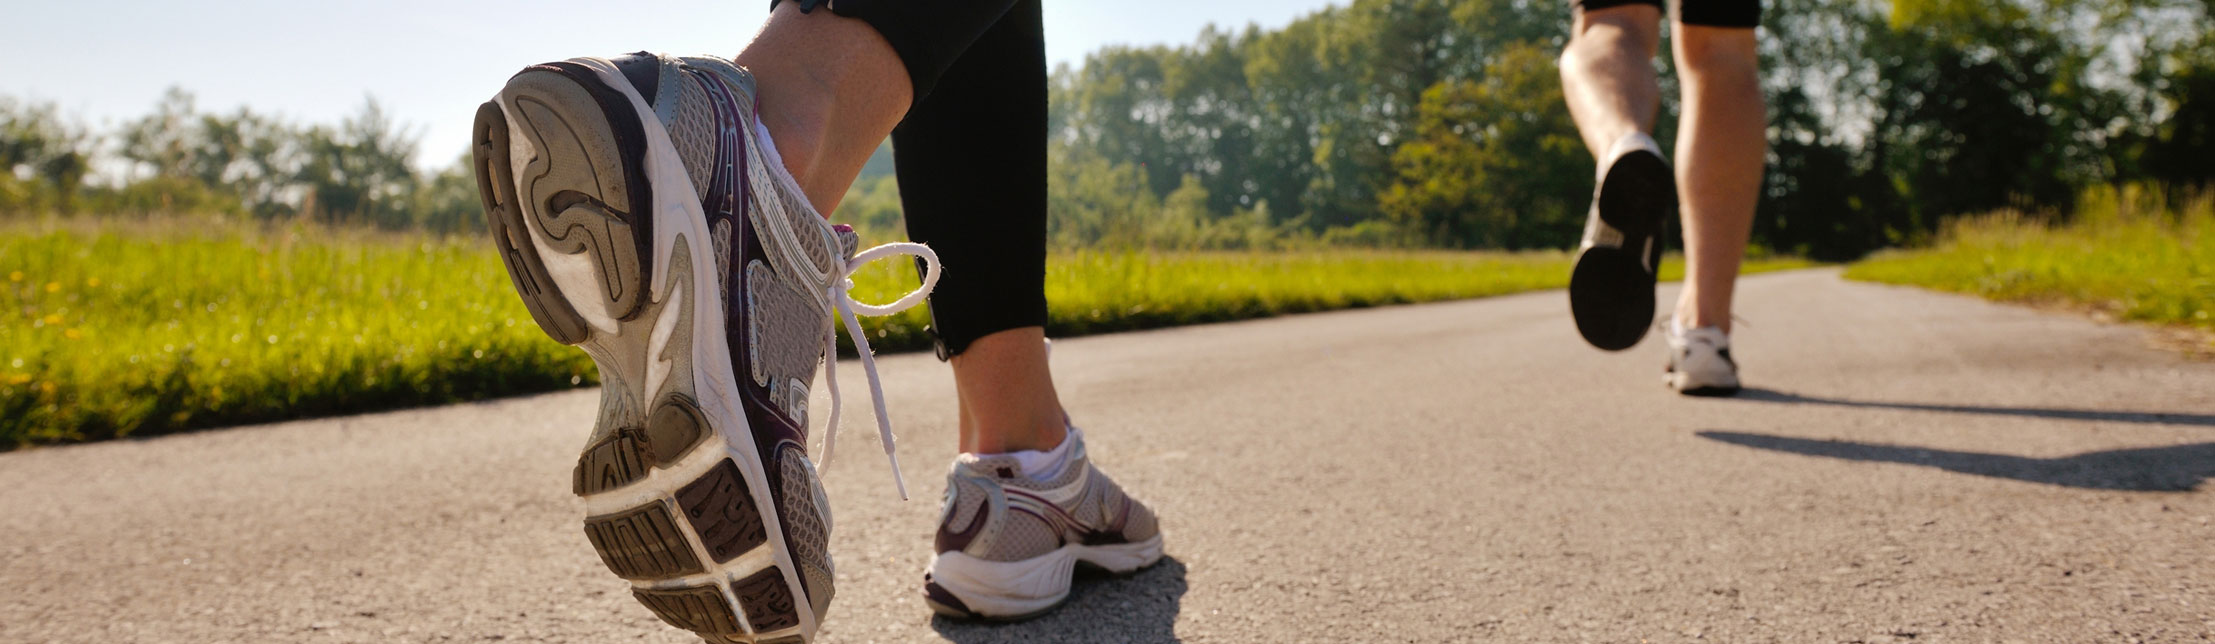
[1101, 608]
[2149, 417]
[2176, 468]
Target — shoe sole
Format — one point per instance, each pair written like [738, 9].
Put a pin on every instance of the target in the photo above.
[1676, 381]
[965, 587]
[677, 501]
[1611, 290]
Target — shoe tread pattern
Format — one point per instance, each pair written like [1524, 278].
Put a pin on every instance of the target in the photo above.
[722, 512]
[701, 610]
[1611, 289]
[676, 426]
[625, 455]
[617, 460]
[489, 160]
[767, 600]
[588, 202]
[642, 543]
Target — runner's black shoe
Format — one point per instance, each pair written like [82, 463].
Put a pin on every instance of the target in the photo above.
[1611, 290]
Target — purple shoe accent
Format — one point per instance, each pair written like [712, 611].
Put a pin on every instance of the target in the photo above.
[1110, 535]
[949, 541]
[727, 196]
[772, 427]
[936, 594]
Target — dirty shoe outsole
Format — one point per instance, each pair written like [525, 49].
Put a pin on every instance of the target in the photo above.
[1611, 290]
[676, 499]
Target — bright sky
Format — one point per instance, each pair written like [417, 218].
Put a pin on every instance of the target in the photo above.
[430, 62]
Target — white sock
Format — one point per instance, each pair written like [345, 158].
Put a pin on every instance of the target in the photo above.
[1047, 465]
[768, 144]
[777, 171]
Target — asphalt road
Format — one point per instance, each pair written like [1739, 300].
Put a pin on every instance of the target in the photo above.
[1906, 467]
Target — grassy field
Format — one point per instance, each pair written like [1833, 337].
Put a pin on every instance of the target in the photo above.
[148, 328]
[2143, 263]
[132, 330]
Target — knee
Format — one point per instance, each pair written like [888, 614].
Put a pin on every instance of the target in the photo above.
[1573, 58]
[1716, 53]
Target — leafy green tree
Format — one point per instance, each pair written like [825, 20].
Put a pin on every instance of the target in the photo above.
[1494, 163]
[2178, 150]
[199, 161]
[163, 142]
[358, 173]
[1092, 201]
[43, 158]
[448, 201]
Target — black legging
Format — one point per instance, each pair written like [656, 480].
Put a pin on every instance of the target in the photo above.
[1707, 13]
[971, 155]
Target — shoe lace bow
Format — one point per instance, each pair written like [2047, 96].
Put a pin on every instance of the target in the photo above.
[843, 301]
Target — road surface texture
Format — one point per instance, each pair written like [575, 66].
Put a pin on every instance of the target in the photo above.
[1907, 466]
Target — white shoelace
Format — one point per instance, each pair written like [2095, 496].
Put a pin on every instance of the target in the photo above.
[843, 301]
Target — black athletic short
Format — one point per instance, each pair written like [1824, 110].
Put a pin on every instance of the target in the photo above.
[971, 155]
[1706, 13]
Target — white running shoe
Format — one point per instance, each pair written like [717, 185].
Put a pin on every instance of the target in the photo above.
[1700, 362]
[1008, 543]
[644, 219]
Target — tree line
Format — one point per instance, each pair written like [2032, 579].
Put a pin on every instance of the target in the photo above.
[1418, 123]
[179, 159]
[1441, 123]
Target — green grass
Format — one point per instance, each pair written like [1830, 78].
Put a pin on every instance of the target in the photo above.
[115, 330]
[135, 329]
[2136, 261]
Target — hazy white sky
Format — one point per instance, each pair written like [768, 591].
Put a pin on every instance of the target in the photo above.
[430, 62]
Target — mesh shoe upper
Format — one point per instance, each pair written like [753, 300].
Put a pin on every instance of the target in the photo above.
[994, 511]
[774, 255]
[1699, 359]
[784, 267]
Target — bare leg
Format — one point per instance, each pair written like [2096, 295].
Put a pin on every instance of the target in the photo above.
[1008, 402]
[831, 89]
[1607, 73]
[1721, 146]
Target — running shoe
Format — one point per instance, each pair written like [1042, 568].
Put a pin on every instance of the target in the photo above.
[645, 218]
[1008, 543]
[1699, 362]
[1611, 290]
